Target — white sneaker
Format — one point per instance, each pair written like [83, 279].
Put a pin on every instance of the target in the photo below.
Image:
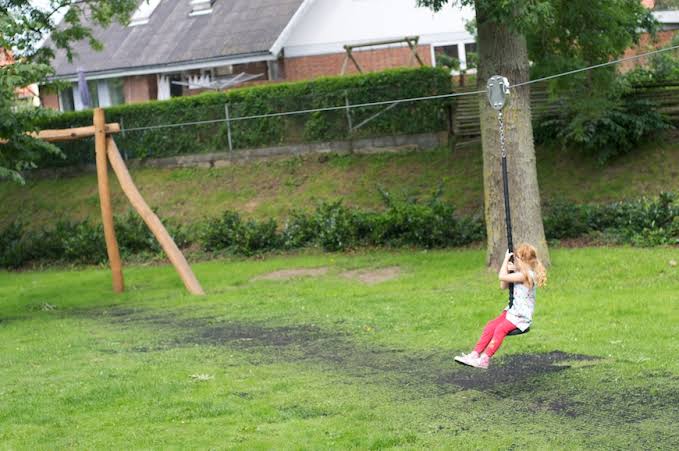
[467, 359]
[482, 362]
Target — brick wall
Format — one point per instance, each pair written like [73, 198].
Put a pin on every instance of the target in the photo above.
[49, 100]
[646, 44]
[310, 67]
[140, 88]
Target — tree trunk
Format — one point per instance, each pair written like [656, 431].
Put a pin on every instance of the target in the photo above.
[503, 51]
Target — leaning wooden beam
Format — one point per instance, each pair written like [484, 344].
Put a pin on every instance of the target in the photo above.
[105, 201]
[413, 48]
[350, 56]
[70, 134]
[151, 220]
[73, 133]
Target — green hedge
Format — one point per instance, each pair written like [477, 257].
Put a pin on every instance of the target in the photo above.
[333, 226]
[407, 118]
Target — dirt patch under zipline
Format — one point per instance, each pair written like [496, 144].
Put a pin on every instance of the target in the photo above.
[286, 274]
[555, 381]
[373, 276]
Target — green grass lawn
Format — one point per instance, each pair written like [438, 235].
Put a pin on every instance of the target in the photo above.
[264, 189]
[331, 362]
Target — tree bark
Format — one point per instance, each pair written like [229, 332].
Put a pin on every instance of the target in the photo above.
[503, 51]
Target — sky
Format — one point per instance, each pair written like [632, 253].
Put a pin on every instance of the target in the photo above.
[44, 4]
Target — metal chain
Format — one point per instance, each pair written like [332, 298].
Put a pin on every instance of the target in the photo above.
[501, 122]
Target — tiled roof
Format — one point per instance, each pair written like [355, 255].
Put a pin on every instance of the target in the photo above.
[234, 28]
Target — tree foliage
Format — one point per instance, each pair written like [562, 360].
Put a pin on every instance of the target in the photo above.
[566, 34]
[24, 26]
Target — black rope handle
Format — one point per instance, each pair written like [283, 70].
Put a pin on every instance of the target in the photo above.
[505, 189]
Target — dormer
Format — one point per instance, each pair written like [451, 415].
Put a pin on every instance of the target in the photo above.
[143, 13]
[200, 7]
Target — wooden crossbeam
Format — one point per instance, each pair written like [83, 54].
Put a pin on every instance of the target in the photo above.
[411, 41]
[70, 134]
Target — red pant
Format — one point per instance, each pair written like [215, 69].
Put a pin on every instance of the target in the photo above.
[493, 334]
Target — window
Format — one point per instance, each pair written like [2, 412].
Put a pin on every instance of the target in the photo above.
[470, 48]
[71, 96]
[143, 13]
[201, 7]
[110, 92]
[222, 71]
[66, 102]
[175, 89]
[115, 91]
[94, 93]
[448, 50]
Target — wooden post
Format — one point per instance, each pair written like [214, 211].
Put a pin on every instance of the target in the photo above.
[105, 201]
[151, 220]
[412, 43]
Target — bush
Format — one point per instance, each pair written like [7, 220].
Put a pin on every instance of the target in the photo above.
[563, 219]
[247, 238]
[642, 222]
[82, 242]
[78, 242]
[299, 230]
[335, 225]
[428, 225]
[601, 128]
[407, 118]
[134, 236]
[13, 251]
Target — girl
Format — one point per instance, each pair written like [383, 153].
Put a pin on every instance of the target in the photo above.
[525, 273]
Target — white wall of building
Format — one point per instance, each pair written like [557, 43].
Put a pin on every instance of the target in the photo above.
[330, 24]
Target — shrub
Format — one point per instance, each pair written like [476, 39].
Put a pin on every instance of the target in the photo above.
[432, 224]
[13, 251]
[230, 233]
[602, 128]
[335, 226]
[641, 222]
[78, 242]
[257, 237]
[414, 117]
[82, 242]
[299, 230]
[564, 219]
[134, 236]
[221, 233]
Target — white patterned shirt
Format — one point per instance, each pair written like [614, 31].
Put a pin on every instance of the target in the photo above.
[521, 313]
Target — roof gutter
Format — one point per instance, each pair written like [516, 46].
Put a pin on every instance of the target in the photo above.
[296, 18]
[170, 67]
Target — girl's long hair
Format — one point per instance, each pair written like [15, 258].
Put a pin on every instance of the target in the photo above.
[528, 260]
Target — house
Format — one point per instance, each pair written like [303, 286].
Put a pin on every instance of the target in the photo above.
[668, 20]
[27, 95]
[178, 47]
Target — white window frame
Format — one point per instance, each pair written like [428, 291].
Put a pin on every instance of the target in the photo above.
[143, 13]
[461, 53]
[61, 102]
[103, 93]
[204, 7]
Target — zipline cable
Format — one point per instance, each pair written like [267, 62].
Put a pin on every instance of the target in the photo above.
[396, 101]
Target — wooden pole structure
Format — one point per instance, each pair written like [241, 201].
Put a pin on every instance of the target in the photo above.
[69, 134]
[151, 220]
[412, 42]
[105, 201]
